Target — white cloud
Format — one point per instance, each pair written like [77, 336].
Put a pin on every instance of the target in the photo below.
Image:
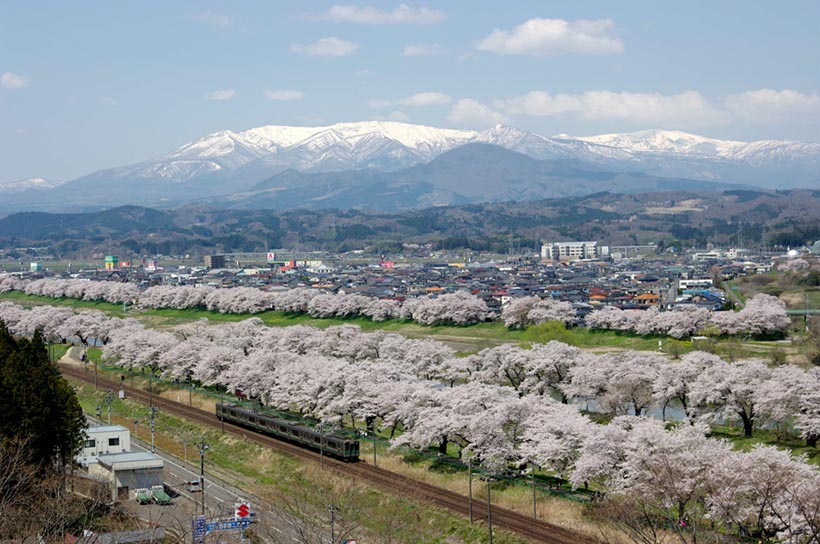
[471, 113]
[395, 115]
[770, 106]
[430, 98]
[688, 108]
[221, 94]
[284, 95]
[423, 50]
[398, 116]
[554, 37]
[14, 81]
[214, 19]
[326, 47]
[375, 16]
[364, 72]
[110, 101]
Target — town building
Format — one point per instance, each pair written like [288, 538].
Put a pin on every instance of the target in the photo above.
[572, 251]
[215, 261]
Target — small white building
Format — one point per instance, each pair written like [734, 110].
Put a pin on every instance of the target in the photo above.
[106, 439]
[127, 471]
[695, 283]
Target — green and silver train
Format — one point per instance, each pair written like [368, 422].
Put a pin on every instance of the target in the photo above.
[332, 444]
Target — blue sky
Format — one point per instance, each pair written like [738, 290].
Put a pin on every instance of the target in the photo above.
[93, 84]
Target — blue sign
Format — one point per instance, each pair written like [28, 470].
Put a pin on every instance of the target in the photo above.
[227, 525]
[199, 529]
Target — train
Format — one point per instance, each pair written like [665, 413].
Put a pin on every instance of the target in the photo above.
[332, 444]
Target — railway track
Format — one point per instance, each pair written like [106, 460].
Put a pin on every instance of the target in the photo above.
[534, 530]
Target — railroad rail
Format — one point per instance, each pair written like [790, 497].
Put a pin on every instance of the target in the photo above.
[524, 526]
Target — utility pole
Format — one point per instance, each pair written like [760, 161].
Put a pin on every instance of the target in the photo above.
[470, 487]
[203, 447]
[152, 412]
[221, 407]
[534, 504]
[321, 445]
[332, 524]
[109, 396]
[150, 387]
[489, 511]
[375, 464]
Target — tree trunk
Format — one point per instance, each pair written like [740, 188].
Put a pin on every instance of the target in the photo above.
[748, 424]
[811, 440]
[442, 447]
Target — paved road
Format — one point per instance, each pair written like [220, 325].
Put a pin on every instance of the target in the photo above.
[731, 292]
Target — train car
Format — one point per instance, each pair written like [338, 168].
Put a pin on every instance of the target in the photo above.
[332, 444]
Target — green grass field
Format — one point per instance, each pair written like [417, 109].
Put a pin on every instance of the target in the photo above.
[465, 339]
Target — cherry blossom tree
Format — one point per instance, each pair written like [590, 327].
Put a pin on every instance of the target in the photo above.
[674, 380]
[522, 312]
[548, 367]
[730, 389]
[459, 308]
[762, 315]
[553, 436]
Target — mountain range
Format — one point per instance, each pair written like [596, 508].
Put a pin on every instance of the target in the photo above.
[759, 218]
[391, 166]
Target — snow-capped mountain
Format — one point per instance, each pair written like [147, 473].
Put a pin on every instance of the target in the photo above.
[763, 153]
[255, 154]
[228, 162]
[26, 184]
[381, 145]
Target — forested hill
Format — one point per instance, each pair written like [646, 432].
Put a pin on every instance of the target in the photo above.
[669, 218]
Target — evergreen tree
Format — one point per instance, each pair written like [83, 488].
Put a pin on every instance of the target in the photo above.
[38, 405]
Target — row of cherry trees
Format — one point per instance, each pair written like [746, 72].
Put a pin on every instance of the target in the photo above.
[762, 315]
[459, 308]
[501, 406]
[700, 386]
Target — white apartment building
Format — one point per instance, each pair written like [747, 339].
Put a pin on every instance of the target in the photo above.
[572, 251]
